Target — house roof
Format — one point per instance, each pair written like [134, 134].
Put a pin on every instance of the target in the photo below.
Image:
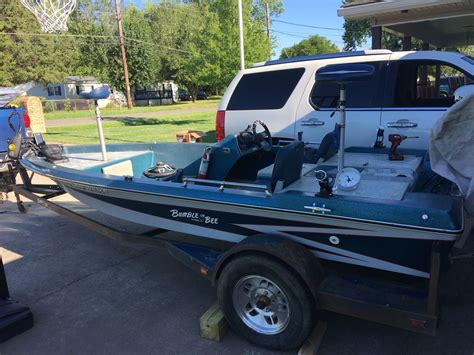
[81, 80]
[440, 22]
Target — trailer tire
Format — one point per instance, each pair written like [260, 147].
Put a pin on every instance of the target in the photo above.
[266, 302]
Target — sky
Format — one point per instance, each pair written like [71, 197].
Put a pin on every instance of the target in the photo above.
[320, 13]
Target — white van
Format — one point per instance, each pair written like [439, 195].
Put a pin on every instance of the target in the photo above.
[408, 94]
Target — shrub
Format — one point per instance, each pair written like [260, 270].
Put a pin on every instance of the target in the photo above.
[67, 105]
[48, 106]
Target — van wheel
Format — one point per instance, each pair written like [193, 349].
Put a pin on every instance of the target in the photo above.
[266, 302]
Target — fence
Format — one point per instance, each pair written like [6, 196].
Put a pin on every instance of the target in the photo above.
[67, 105]
[153, 97]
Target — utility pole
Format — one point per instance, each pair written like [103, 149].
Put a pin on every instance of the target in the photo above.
[241, 36]
[124, 55]
[267, 15]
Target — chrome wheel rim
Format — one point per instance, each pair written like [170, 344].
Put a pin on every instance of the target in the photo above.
[261, 304]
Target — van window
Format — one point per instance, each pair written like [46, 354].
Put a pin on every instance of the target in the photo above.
[265, 91]
[360, 94]
[427, 84]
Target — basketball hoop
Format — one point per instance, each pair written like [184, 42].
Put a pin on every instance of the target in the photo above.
[52, 15]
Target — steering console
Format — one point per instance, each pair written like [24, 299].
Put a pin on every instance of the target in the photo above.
[262, 139]
[250, 141]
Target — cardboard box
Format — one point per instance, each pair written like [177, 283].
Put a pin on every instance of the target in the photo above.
[190, 136]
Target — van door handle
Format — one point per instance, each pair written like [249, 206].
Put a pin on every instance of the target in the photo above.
[312, 122]
[402, 124]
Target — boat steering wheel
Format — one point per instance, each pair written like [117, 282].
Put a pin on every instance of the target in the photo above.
[263, 139]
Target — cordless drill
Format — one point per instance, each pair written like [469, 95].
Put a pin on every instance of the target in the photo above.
[396, 139]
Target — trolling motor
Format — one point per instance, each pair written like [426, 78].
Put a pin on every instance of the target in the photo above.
[18, 145]
[396, 139]
[14, 144]
[8, 163]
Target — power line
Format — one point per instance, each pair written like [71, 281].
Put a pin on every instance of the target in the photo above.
[289, 34]
[310, 34]
[93, 36]
[309, 26]
[297, 36]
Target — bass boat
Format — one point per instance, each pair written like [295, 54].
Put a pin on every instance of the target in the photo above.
[371, 206]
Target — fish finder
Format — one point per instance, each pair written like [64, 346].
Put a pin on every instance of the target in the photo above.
[39, 140]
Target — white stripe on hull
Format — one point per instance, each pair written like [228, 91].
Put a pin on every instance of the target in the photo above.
[369, 231]
[344, 256]
[154, 221]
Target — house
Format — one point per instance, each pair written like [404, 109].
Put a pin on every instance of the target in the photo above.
[57, 93]
[438, 23]
[70, 89]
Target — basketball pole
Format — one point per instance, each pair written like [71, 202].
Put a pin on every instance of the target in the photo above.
[241, 37]
[124, 55]
[267, 17]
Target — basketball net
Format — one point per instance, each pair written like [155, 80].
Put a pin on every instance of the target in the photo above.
[52, 15]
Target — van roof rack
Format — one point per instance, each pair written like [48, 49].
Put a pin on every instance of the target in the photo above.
[323, 56]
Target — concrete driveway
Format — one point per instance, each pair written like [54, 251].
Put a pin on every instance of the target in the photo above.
[93, 295]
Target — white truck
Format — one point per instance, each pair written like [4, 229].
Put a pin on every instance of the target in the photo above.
[408, 94]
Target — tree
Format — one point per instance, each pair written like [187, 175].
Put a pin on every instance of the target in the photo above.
[195, 42]
[25, 56]
[199, 39]
[313, 45]
[99, 50]
[181, 33]
[355, 34]
[142, 57]
[257, 45]
[90, 21]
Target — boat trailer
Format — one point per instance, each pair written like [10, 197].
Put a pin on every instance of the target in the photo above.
[370, 298]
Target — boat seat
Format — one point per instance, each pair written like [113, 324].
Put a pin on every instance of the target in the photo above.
[327, 148]
[99, 93]
[288, 165]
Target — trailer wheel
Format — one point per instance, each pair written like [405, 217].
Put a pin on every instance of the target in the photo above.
[266, 302]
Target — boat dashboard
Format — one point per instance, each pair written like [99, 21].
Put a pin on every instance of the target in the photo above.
[379, 177]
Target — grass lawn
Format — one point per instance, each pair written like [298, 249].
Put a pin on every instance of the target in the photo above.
[59, 115]
[128, 130]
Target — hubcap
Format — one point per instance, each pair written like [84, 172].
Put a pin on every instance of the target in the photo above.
[261, 304]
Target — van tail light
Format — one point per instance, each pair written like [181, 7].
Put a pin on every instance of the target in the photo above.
[26, 120]
[220, 125]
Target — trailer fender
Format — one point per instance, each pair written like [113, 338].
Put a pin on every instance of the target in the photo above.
[291, 253]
